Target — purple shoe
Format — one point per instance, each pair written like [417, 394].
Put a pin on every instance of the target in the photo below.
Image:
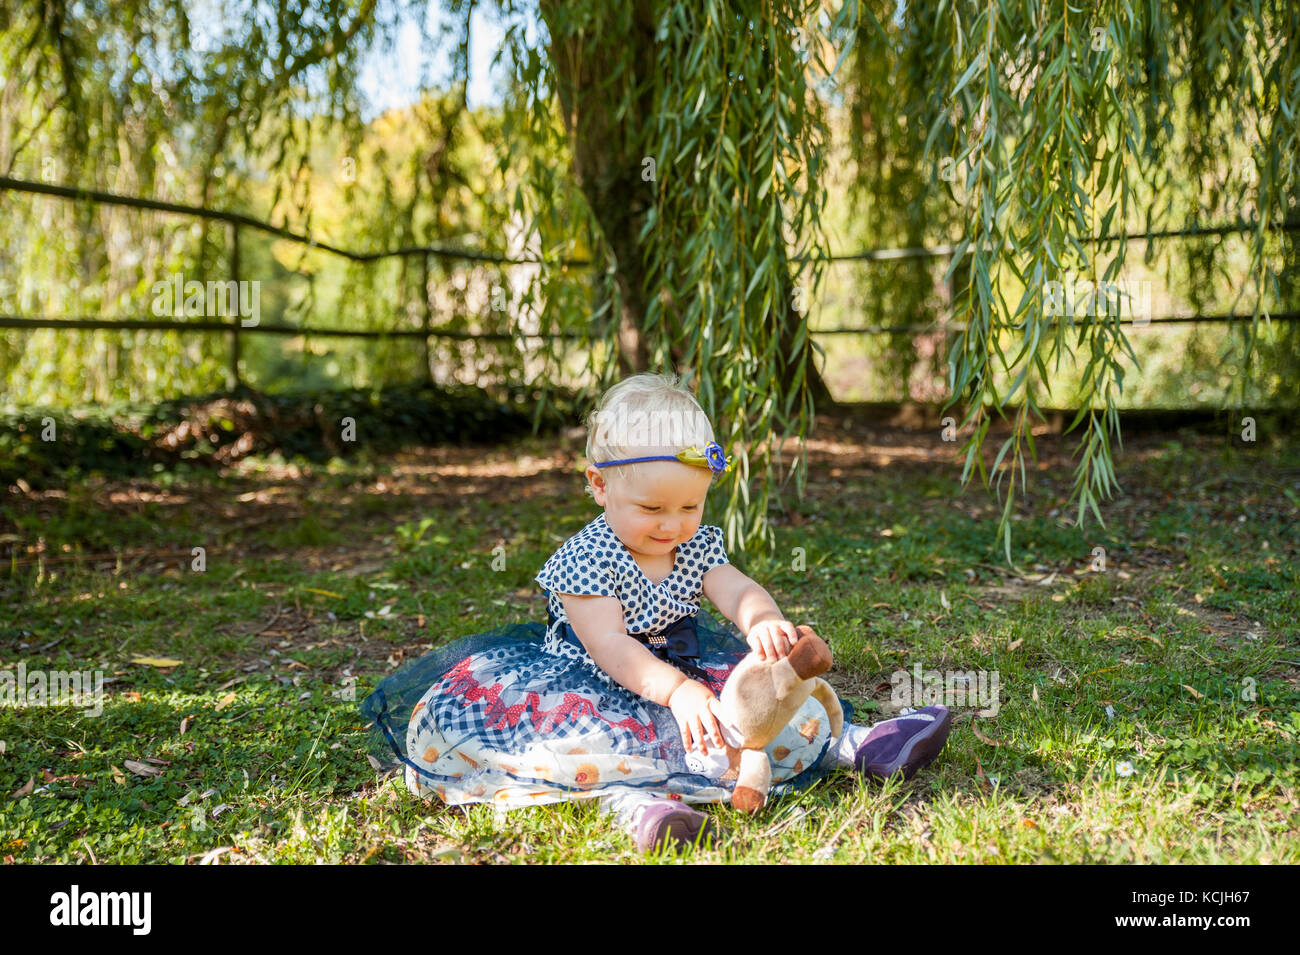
[904, 743]
[669, 821]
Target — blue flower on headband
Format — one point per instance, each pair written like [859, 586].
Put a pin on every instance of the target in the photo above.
[717, 460]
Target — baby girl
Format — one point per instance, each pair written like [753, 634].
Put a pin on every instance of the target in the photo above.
[611, 698]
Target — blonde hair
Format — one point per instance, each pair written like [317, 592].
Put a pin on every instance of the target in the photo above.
[643, 415]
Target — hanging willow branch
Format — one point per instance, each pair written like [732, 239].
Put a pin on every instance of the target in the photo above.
[1063, 124]
[697, 139]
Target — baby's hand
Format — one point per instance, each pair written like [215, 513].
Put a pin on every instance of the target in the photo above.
[773, 639]
[696, 719]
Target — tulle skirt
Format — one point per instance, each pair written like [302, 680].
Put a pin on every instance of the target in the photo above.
[502, 717]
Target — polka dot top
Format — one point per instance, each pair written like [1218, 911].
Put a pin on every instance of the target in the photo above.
[594, 561]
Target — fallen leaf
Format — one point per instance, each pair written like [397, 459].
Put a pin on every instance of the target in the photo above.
[131, 696]
[225, 701]
[160, 662]
[1014, 644]
[118, 776]
[981, 736]
[24, 789]
[185, 724]
[141, 769]
[73, 779]
[1192, 690]
[323, 593]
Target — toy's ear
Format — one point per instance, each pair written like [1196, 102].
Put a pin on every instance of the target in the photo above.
[810, 656]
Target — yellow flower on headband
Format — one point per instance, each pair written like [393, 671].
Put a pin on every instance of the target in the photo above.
[711, 457]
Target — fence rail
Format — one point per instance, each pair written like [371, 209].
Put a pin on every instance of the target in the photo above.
[237, 220]
[270, 328]
[474, 255]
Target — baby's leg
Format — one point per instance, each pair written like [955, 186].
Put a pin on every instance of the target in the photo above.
[653, 819]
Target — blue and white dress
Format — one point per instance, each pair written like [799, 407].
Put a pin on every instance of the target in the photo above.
[522, 715]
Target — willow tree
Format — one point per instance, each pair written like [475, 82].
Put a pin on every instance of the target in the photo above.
[1036, 135]
[697, 136]
[681, 145]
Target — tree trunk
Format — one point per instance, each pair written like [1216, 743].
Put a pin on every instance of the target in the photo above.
[608, 161]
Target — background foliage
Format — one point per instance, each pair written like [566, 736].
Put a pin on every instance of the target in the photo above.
[705, 157]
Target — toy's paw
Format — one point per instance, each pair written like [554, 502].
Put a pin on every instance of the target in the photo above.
[747, 799]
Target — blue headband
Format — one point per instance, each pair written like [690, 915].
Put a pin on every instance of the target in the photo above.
[711, 457]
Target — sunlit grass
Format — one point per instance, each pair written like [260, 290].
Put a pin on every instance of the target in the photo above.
[1148, 713]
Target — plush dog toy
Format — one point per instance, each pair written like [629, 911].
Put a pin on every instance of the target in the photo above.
[759, 699]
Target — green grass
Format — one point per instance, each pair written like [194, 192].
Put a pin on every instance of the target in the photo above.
[1188, 636]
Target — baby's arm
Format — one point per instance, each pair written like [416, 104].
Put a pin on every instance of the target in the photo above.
[598, 622]
[751, 608]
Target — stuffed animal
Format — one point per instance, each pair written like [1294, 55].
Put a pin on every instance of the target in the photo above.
[758, 700]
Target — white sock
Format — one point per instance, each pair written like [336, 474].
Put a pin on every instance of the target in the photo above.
[622, 803]
[847, 745]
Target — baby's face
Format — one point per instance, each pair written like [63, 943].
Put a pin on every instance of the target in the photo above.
[657, 511]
